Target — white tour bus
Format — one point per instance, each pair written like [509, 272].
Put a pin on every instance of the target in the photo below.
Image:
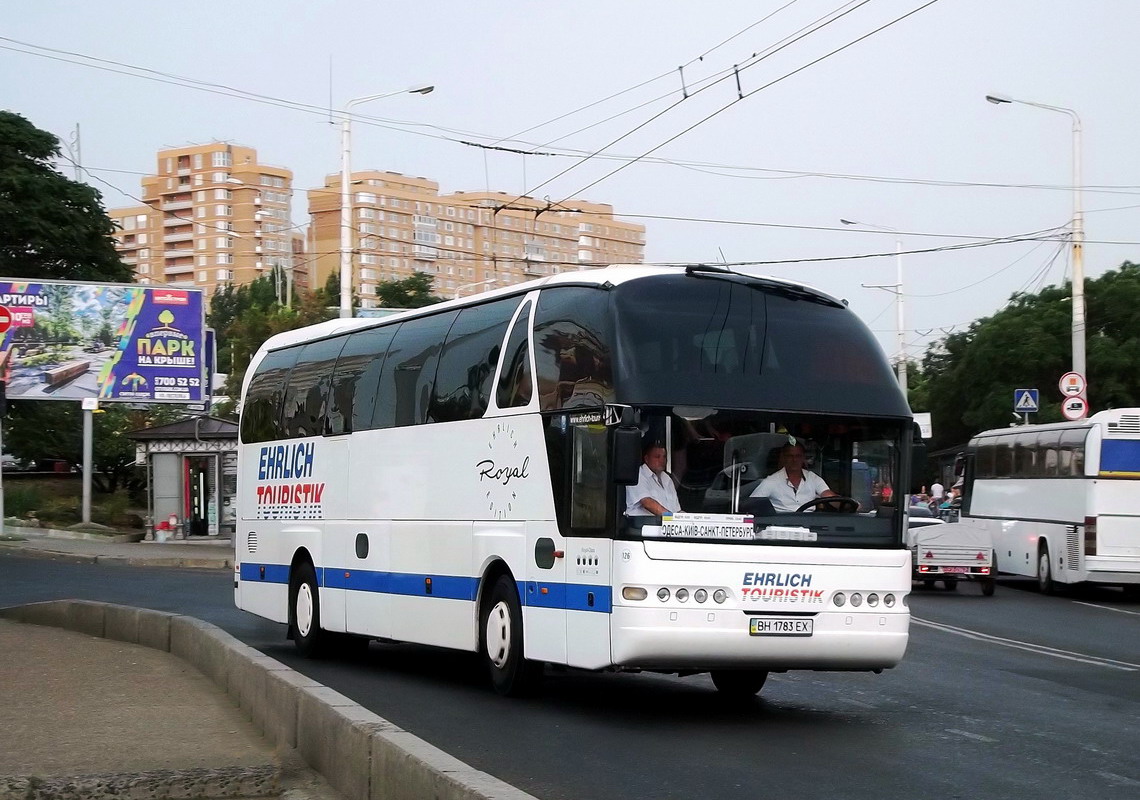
[1061, 502]
[456, 475]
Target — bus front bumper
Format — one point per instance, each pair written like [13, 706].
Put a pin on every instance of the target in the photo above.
[709, 638]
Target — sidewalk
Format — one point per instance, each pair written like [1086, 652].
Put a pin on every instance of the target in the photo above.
[210, 553]
[86, 717]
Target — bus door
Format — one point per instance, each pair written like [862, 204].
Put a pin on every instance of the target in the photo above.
[578, 443]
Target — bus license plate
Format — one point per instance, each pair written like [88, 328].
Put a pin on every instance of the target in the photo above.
[772, 626]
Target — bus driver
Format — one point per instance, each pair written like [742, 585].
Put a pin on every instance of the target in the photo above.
[655, 494]
[791, 486]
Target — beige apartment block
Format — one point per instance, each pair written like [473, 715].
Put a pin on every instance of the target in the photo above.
[467, 241]
[213, 216]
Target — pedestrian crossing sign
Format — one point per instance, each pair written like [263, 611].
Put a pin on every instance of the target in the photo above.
[1025, 401]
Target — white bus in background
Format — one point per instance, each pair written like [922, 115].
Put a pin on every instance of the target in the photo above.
[455, 476]
[1061, 502]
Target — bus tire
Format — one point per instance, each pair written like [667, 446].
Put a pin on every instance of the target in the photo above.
[1044, 569]
[739, 684]
[501, 640]
[305, 612]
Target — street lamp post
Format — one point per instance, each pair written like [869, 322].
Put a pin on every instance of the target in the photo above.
[458, 289]
[1078, 326]
[897, 289]
[345, 207]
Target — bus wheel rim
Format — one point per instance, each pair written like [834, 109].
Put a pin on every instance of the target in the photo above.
[499, 634]
[1043, 567]
[304, 609]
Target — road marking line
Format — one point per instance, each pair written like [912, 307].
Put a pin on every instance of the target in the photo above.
[1040, 649]
[1107, 608]
[968, 735]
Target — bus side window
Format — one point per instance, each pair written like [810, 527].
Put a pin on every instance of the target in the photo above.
[1048, 445]
[261, 416]
[352, 397]
[572, 351]
[514, 389]
[307, 391]
[467, 365]
[1003, 458]
[1073, 452]
[409, 372]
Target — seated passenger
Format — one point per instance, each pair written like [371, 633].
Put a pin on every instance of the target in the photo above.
[655, 493]
[791, 486]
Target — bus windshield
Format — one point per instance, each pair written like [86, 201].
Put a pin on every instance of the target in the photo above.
[735, 462]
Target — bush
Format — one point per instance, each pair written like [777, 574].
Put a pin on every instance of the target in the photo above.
[19, 500]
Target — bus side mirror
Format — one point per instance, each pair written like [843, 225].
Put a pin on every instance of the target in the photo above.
[626, 456]
[917, 464]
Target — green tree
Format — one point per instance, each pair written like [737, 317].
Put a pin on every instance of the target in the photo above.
[50, 227]
[968, 379]
[411, 292]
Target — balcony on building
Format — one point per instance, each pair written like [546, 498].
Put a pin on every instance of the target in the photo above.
[179, 253]
[178, 269]
[177, 205]
[178, 236]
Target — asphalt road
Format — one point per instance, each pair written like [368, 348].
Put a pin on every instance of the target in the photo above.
[1018, 695]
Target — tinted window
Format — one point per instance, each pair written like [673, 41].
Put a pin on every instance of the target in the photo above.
[409, 371]
[573, 357]
[514, 388]
[1025, 455]
[984, 461]
[727, 342]
[261, 412]
[467, 364]
[1047, 453]
[1003, 458]
[352, 400]
[1073, 452]
[308, 389]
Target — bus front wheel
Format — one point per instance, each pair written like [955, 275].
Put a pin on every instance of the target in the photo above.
[511, 674]
[739, 684]
[1044, 570]
[305, 612]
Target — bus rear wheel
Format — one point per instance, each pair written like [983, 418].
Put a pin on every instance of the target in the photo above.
[1044, 570]
[502, 642]
[305, 612]
[739, 684]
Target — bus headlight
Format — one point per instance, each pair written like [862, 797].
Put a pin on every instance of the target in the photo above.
[662, 594]
[682, 595]
[720, 595]
[839, 598]
[872, 599]
[889, 601]
[700, 595]
[634, 593]
[856, 599]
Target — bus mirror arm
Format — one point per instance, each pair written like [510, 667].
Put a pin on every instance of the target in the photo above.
[626, 456]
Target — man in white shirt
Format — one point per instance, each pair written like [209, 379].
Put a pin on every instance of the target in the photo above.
[792, 485]
[937, 492]
[654, 494]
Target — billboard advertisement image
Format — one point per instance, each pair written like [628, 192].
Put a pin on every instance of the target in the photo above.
[114, 342]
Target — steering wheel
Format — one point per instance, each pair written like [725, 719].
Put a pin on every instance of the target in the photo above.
[847, 505]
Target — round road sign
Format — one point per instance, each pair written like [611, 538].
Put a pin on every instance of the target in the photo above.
[1072, 383]
[5, 319]
[1075, 408]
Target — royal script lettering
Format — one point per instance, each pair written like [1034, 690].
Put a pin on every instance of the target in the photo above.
[492, 472]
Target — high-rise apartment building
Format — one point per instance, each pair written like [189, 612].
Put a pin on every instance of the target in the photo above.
[213, 216]
[467, 241]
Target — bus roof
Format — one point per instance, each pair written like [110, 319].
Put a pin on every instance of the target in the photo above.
[1106, 417]
[613, 274]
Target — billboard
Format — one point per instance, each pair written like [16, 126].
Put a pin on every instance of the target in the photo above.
[114, 342]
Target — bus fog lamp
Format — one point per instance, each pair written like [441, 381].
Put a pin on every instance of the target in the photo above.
[634, 593]
[839, 598]
[700, 595]
[720, 595]
[872, 599]
[856, 599]
[682, 595]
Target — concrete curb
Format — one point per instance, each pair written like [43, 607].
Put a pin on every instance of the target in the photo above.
[120, 561]
[361, 755]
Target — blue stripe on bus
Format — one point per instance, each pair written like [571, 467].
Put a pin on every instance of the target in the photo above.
[569, 596]
[1120, 455]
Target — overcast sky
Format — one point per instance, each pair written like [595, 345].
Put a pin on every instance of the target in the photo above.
[900, 113]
